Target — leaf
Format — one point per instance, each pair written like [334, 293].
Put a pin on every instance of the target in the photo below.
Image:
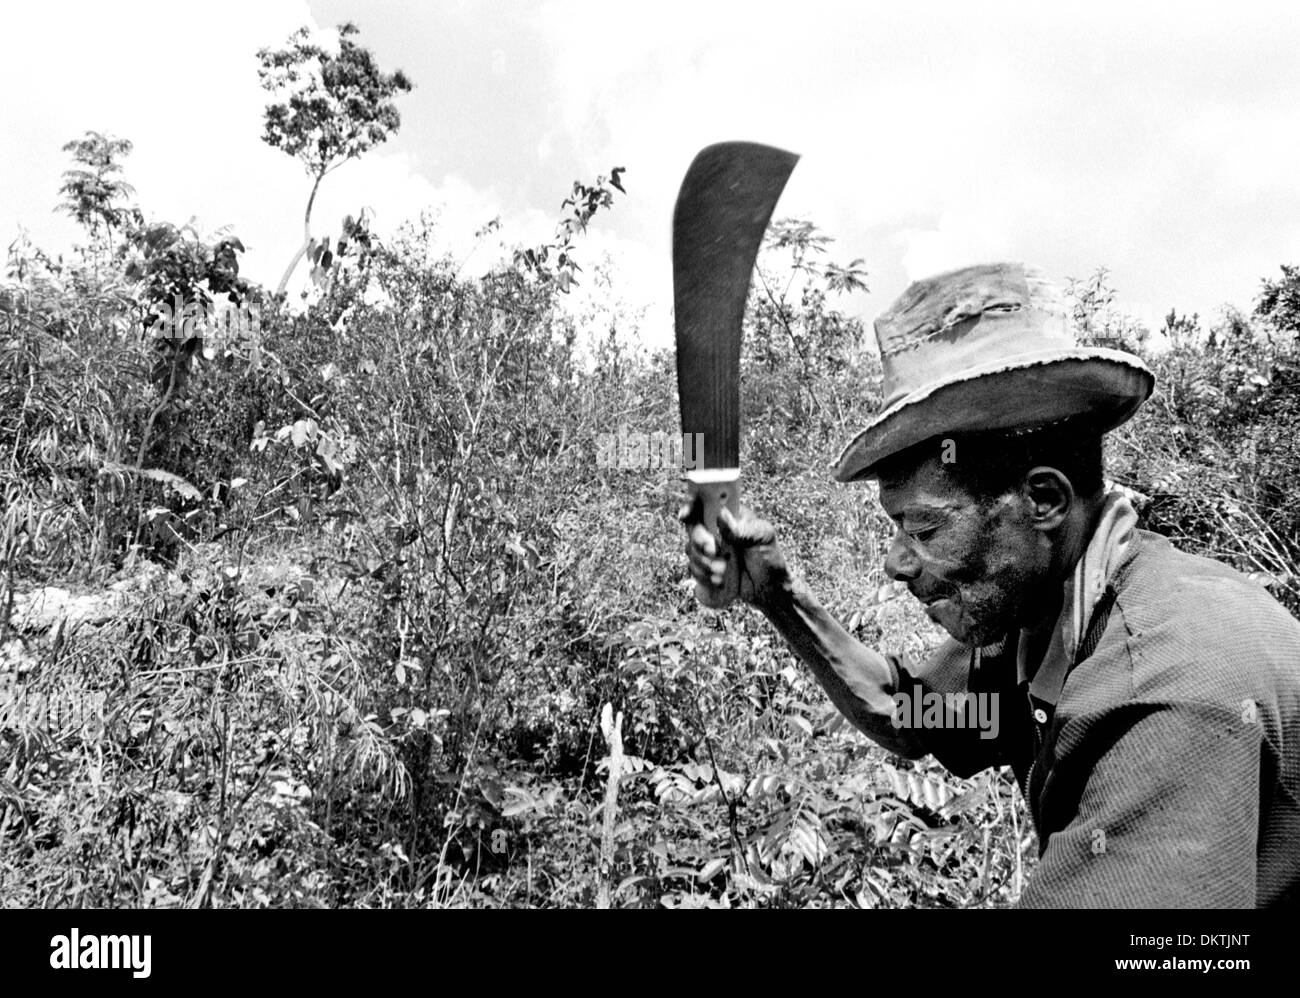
[327, 451]
[898, 782]
[832, 721]
[935, 794]
[631, 881]
[174, 482]
[302, 431]
[710, 869]
[965, 801]
[520, 805]
[799, 723]
[914, 784]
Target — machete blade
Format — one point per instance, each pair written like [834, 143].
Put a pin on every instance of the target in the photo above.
[723, 208]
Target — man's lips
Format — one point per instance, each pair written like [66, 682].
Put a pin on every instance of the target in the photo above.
[931, 598]
[935, 605]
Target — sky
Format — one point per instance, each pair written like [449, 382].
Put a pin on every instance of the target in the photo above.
[1159, 141]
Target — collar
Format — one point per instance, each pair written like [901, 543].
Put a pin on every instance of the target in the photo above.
[1112, 542]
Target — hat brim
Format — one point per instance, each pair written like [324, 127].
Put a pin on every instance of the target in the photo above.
[1105, 386]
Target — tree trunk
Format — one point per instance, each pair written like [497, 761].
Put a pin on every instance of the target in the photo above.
[611, 726]
[306, 237]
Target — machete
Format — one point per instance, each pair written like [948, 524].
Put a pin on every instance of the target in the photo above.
[725, 203]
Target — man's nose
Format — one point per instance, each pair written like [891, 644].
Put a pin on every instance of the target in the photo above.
[902, 564]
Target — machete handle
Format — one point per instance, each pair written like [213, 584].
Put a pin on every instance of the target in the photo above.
[714, 488]
[710, 491]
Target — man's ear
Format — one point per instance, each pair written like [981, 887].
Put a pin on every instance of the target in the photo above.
[1051, 497]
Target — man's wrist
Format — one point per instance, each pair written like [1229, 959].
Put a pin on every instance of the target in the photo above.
[782, 601]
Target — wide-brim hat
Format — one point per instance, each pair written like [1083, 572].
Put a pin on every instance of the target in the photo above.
[988, 348]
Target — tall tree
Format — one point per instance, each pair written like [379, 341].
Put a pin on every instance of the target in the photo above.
[328, 108]
[93, 191]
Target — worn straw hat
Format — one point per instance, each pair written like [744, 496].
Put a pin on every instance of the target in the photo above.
[988, 348]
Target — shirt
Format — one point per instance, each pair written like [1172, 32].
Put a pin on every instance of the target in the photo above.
[1167, 772]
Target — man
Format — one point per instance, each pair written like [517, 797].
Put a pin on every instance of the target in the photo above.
[1149, 699]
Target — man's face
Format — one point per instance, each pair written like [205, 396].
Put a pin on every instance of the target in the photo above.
[982, 569]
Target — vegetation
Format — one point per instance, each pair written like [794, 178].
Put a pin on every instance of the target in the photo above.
[328, 108]
[346, 593]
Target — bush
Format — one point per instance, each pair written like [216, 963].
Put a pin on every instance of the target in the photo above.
[368, 589]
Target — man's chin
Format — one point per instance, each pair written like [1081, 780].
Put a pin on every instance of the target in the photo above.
[948, 615]
[957, 623]
[960, 634]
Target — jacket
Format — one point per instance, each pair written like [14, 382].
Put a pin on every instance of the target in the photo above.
[1167, 773]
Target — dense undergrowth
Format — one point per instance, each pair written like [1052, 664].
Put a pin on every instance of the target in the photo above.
[367, 588]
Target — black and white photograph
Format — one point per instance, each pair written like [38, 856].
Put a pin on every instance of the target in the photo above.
[478, 454]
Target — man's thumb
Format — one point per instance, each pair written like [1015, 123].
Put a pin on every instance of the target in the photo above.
[745, 532]
[728, 527]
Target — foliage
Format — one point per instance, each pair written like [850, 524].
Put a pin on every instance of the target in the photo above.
[362, 589]
[1279, 300]
[1181, 330]
[93, 191]
[1216, 449]
[180, 278]
[327, 108]
[98, 435]
[333, 106]
[394, 703]
[1096, 319]
[553, 262]
[803, 369]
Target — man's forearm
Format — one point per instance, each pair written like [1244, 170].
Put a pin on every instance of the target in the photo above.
[859, 681]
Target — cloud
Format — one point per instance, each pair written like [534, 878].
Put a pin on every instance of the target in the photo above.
[1120, 135]
[184, 89]
[182, 85]
[1160, 146]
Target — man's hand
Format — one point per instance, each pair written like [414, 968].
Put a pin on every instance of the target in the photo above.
[747, 565]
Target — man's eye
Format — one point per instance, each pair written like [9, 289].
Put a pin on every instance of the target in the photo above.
[921, 534]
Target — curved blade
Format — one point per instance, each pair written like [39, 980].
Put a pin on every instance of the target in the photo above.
[725, 203]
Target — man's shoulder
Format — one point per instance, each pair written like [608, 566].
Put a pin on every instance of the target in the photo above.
[1161, 581]
[1194, 626]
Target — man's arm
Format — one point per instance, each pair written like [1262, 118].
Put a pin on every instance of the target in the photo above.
[1157, 806]
[860, 682]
